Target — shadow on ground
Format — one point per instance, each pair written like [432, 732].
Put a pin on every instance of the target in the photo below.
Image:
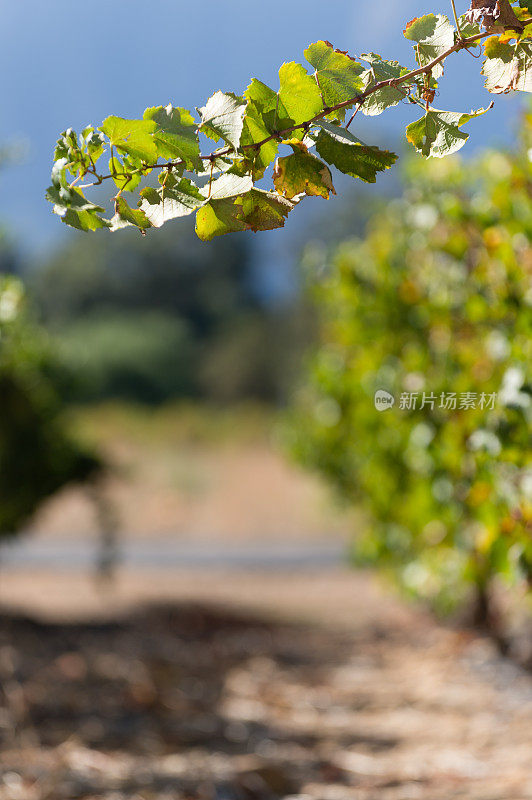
[155, 689]
[193, 702]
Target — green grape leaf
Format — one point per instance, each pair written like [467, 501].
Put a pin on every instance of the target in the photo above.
[177, 200]
[218, 217]
[222, 117]
[58, 175]
[438, 133]
[302, 113]
[227, 185]
[468, 28]
[302, 173]
[508, 67]
[254, 210]
[337, 73]
[434, 35]
[264, 102]
[176, 135]
[388, 96]
[299, 93]
[217, 164]
[351, 156]
[75, 153]
[125, 216]
[74, 208]
[92, 143]
[132, 136]
[125, 182]
[264, 211]
[259, 123]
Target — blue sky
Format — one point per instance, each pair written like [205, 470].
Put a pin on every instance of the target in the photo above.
[69, 63]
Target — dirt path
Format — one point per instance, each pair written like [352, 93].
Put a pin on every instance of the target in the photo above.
[242, 686]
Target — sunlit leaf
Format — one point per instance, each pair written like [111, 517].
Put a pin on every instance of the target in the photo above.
[161, 205]
[388, 96]
[218, 217]
[434, 35]
[133, 136]
[338, 75]
[299, 93]
[227, 185]
[438, 133]
[176, 135]
[259, 123]
[508, 67]
[124, 181]
[302, 173]
[223, 117]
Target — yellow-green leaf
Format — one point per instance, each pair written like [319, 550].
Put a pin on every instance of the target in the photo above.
[338, 74]
[438, 133]
[132, 136]
[302, 173]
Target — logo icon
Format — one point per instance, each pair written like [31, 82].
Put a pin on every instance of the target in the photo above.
[384, 400]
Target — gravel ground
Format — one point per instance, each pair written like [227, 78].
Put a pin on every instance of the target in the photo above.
[205, 685]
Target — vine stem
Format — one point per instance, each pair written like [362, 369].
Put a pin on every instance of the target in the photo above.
[463, 43]
[456, 22]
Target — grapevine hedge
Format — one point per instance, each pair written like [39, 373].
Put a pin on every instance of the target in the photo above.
[309, 112]
[38, 455]
[433, 306]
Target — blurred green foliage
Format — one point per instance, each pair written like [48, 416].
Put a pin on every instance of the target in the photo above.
[145, 356]
[37, 454]
[436, 299]
[170, 318]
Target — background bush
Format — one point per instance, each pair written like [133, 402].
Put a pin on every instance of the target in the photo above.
[37, 454]
[436, 299]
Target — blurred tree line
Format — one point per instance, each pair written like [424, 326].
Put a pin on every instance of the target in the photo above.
[154, 318]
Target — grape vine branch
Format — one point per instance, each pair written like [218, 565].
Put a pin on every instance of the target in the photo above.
[306, 112]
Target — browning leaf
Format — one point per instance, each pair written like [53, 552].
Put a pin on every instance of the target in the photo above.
[497, 16]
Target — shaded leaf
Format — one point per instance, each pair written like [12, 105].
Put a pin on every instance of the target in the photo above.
[264, 211]
[351, 156]
[495, 15]
[125, 216]
[75, 210]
